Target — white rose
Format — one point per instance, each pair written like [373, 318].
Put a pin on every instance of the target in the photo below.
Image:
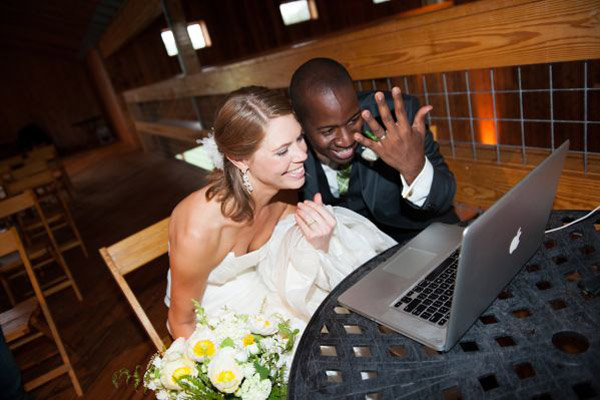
[176, 369]
[175, 351]
[224, 372]
[201, 345]
[263, 325]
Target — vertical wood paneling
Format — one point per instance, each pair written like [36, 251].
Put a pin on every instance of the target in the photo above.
[50, 91]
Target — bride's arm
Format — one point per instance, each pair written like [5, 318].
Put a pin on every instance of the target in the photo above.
[193, 254]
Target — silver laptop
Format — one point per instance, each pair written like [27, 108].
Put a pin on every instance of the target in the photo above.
[435, 286]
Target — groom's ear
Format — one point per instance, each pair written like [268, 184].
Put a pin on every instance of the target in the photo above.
[240, 164]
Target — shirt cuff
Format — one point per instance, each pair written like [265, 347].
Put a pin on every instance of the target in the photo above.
[418, 191]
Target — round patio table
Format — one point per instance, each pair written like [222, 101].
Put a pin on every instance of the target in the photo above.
[540, 339]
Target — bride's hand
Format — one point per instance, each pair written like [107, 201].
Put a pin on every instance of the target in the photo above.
[315, 222]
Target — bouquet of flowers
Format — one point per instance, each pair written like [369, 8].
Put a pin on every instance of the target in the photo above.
[233, 356]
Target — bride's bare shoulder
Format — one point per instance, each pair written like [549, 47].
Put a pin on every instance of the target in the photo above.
[196, 217]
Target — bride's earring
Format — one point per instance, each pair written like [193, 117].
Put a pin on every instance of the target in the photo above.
[246, 181]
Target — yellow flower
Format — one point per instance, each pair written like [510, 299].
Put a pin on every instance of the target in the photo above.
[181, 371]
[224, 372]
[225, 376]
[201, 345]
[175, 369]
[248, 339]
[203, 348]
[263, 325]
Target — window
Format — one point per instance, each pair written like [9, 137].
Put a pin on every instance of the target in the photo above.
[297, 11]
[198, 35]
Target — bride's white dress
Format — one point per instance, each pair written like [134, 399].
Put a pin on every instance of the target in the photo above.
[287, 275]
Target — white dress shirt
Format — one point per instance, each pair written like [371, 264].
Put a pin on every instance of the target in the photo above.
[416, 192]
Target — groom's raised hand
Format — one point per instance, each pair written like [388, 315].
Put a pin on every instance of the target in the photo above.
[315, 222]
[400, 144]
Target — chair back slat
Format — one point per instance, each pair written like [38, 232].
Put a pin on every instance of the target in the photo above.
[29, 169]
[141, 247]
[45, 153]
[31, 182]
[12, 161]
[8, 242]
[132, 253]
[14, 204]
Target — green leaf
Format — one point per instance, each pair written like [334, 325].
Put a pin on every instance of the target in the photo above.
[262, 371]
[278, 392]
[227, 342]
[201, 317]
[197, 388]
[121, 375]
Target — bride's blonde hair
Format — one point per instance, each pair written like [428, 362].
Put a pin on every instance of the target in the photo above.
[240, 126]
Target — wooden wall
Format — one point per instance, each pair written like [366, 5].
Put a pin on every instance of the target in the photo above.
[142, 61]
[498, 34]
[241, 29]
[50, 90]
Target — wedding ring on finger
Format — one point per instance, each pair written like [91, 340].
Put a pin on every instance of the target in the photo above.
[310, 222]
[383, 136]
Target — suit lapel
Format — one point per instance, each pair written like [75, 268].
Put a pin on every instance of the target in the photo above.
[368, 182]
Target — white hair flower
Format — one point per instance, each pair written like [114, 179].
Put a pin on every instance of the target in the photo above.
[212, 150]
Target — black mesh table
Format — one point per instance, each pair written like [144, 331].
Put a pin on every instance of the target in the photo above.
[540, 339]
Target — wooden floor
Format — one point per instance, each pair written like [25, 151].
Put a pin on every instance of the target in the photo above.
[115, 197]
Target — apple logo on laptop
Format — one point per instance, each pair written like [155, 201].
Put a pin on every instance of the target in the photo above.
[515, 242]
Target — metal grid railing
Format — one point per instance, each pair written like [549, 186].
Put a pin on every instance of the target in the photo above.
[445, 98]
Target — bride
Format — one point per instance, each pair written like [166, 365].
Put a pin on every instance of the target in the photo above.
[244, 241]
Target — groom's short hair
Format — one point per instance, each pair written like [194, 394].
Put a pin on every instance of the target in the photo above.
[313, 77]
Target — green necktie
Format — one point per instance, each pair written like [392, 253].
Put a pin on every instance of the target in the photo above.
[343, 179]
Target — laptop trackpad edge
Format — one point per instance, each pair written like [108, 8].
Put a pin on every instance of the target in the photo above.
[409, 262]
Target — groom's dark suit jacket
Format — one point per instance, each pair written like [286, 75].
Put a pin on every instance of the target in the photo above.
[375, 189]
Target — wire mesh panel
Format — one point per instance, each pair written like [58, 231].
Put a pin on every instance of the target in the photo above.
[513, 109]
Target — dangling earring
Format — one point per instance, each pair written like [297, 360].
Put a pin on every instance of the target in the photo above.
[246, 181]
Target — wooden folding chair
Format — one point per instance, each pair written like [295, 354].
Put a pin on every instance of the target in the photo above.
[43, 250]
[58, 213]
[132, 253]
[17, 323]
[49, 155]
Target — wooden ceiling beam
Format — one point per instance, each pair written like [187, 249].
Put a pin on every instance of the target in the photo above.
[131, 20]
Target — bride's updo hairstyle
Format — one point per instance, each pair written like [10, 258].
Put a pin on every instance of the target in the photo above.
[240, 126]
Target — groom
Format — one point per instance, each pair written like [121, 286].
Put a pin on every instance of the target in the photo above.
[406, 188]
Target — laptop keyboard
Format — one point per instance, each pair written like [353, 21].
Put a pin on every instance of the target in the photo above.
[432, 297]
